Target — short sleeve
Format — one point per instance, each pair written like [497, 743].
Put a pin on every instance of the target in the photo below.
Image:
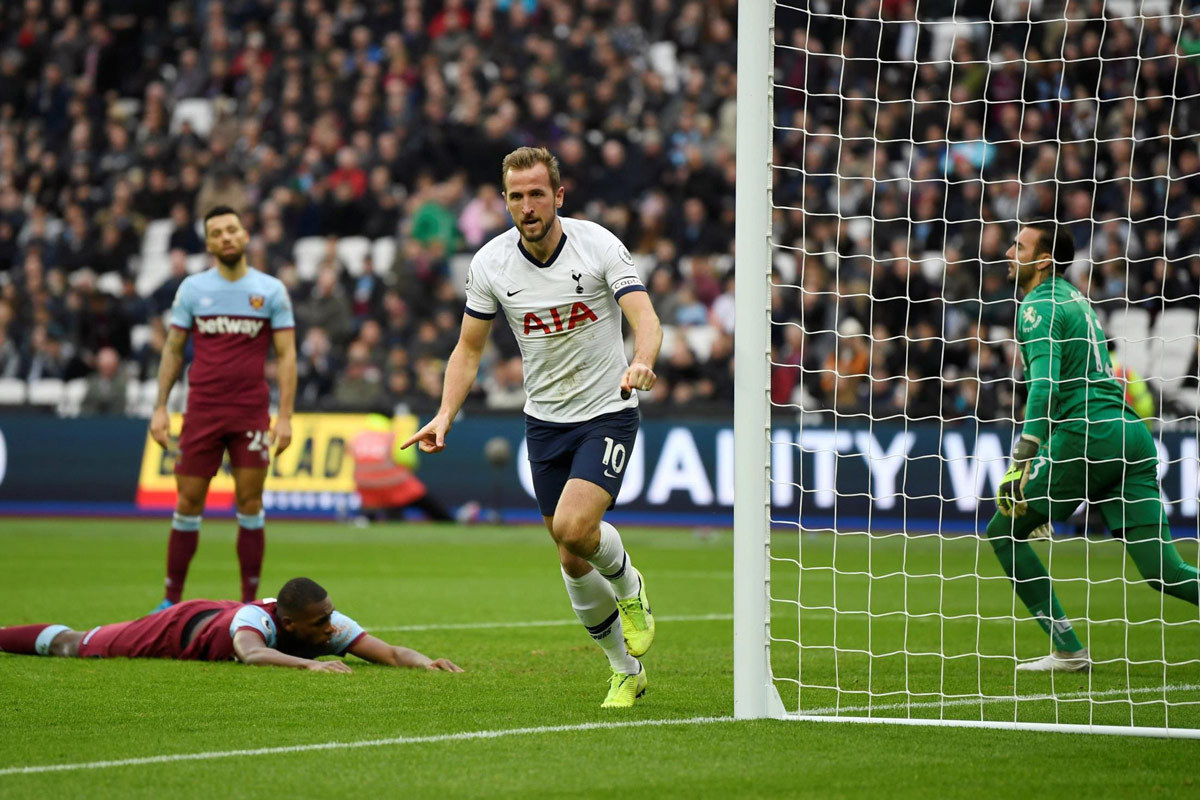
[620, 271]
[481, 301]
[282, 317]
[181, 309]
[254, 618]
[345, 633]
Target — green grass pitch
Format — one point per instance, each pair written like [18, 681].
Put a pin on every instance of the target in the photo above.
[491, 599]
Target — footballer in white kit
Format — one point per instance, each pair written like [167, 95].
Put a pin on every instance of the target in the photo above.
[563, 285]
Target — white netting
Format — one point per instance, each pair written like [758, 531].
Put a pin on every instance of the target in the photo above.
[909, 139]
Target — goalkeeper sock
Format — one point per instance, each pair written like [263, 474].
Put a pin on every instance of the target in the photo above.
[181, 546]
[611, 561]
[594, 604]
[1158, 561]
[29, 640]
[1031, 581]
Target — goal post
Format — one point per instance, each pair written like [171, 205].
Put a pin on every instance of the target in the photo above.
[884, 164]
[754, 692]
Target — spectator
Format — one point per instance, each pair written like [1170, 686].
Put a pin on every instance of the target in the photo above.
[106, 387]
[359, 387]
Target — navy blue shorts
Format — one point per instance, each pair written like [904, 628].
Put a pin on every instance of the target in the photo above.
[596, 451]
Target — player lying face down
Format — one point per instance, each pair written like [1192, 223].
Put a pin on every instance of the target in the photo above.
[292, 630]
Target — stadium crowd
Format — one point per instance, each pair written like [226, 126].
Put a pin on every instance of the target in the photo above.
[386, 120]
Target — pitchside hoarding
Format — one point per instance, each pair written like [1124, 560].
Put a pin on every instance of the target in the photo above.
[921, 478]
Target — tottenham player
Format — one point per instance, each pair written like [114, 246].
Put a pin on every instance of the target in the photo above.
[560, 283]
[291, 631]
[236, 313]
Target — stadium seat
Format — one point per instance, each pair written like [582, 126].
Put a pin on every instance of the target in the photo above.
[157, 238]
[72, 397]
[111, 283]
[139, 336]
[46, 392]
[459, 265]
[1172, 347]
[645, 264]
[700, 339]
[669, 334]
[352, 251]
[383, 251]
[663, 60]
[784, 263]
[12, 391]
[1129, 328]
[151, 270]
[308, 253]
[196, 110]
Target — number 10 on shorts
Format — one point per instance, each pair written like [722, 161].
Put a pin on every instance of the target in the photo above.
[614, 455]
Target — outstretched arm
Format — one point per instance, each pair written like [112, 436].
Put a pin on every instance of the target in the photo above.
[368, 648]
[461, 370]
[252, 649]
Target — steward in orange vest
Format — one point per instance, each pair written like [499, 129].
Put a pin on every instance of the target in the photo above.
[384, 474]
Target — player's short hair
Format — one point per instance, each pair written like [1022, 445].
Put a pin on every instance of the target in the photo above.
[1056, 241]
[220, 211]
[526, 157]
[298, 594]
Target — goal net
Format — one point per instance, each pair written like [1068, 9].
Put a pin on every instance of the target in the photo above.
[886, 153]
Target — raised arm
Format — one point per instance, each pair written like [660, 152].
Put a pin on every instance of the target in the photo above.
[285, 354]
[252, 649]
[168, 372]
[647, 338]
[461, 370]
[368, 648]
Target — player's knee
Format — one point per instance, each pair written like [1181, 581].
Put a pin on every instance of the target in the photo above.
[249, 505]
[1000, 531]
[570, 531]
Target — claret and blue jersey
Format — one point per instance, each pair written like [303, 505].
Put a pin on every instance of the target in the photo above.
[231, 323]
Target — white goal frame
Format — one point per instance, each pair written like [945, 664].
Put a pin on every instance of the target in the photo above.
[755, 695]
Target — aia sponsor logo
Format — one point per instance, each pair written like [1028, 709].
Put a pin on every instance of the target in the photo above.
[256, 301]
[552, 322]
[233, 325]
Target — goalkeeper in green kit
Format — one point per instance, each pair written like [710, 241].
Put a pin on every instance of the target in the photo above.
[1080, 442]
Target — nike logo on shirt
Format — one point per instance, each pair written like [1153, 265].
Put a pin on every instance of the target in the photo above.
[518, 291]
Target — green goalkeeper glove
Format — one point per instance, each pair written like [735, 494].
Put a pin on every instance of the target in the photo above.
[1010, 497]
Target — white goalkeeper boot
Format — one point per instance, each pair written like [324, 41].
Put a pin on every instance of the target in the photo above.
[1059, 661]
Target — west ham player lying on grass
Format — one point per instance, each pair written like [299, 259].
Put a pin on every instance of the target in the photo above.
[290, 631]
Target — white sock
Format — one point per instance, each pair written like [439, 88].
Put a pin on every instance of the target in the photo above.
[611, 561]
[594, 604]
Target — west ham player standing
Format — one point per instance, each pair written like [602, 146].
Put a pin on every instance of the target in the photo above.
[236, 313]
[560, 283]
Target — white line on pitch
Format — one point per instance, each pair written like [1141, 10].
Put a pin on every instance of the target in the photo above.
[396, 740]
[562, 623]
[1025, 698]
[541, 623]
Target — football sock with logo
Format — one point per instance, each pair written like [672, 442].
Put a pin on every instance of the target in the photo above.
[181, 546]
[594, 604]
[611, 561]
[251, 542]
[29, 640]
[1158, 561]
[1030, 579]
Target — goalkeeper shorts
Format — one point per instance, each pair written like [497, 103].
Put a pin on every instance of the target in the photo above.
[1112, 465]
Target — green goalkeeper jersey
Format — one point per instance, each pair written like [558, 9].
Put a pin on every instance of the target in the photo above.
[1067, 368]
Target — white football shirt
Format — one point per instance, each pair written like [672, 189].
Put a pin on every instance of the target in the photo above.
[564, 314]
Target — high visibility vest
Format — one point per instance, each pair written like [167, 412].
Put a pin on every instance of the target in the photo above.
[374, 466]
